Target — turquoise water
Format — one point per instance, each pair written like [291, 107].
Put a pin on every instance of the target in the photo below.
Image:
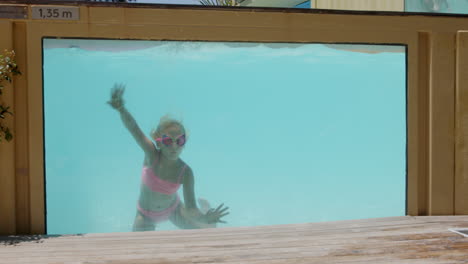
[280, 133]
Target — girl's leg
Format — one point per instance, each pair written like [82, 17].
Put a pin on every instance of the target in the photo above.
[179, 219]
[204, 205]
[142, 223]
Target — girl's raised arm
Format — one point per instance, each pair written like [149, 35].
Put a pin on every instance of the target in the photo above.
[117, 103]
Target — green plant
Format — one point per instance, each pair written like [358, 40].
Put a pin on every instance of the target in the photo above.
[219, 2]
[8, 69]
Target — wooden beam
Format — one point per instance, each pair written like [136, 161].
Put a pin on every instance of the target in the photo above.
[461, 151]
[411, 240]
[442, 124]
[21, 133]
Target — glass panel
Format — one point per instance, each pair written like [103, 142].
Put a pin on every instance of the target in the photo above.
[251, 3]
[172, 2]
[306, 4]
[279, 132]
[437, 6]
[430, 6]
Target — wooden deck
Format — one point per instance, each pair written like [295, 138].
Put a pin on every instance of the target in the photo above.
[384, 240]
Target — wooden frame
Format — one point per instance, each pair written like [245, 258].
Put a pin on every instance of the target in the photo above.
[434, 163]
[461, 155]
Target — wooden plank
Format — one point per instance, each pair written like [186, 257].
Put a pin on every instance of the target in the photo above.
[418, 74]
[21, 133]
[7, 151]
[35, 135]
[390, 240]
[461, 151]
[442, 124]
[422, 122]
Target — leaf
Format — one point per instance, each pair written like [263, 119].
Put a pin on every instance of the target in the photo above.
[4, 110]
[8, 69]
[8, 134]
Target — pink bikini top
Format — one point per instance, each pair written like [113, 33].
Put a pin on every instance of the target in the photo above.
[156, 184]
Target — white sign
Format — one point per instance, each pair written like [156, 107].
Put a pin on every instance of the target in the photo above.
[55, 12]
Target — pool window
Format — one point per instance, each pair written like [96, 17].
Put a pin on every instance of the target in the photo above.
[281, 133]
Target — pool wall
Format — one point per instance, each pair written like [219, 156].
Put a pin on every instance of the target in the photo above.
[437, 48]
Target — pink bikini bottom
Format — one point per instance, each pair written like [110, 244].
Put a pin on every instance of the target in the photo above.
[159, 216]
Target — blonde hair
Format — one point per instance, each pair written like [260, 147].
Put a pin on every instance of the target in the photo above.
[165, 122]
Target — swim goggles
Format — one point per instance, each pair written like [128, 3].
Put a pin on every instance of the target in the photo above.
[167, 140]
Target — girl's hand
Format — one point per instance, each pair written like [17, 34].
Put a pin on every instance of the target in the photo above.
[214, 215]
[116, 100]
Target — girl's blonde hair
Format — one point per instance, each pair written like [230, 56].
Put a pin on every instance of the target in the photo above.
[165, 122]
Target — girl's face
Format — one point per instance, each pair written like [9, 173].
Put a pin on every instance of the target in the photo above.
[172, 142]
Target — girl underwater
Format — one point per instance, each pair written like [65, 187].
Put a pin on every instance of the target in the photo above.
[163, 173]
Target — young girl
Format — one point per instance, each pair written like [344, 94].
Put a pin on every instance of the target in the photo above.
[163, 173]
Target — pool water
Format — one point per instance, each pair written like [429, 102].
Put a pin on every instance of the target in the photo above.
[281, 133]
